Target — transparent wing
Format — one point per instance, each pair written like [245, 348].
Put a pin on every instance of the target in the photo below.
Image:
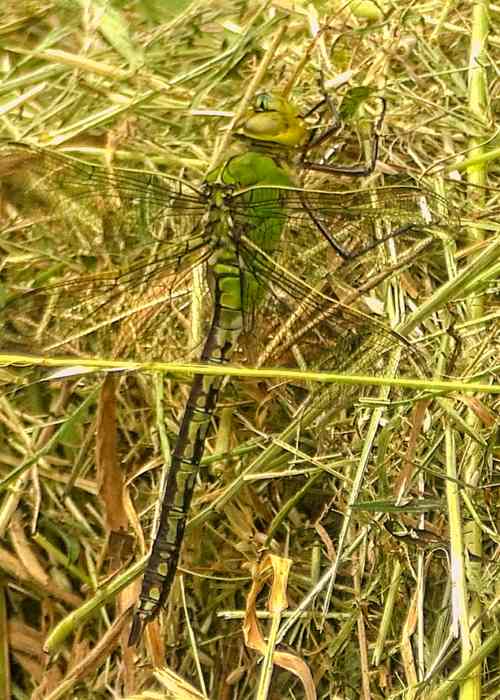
[338, 250]
[353, 222]
[106, 253]
[95, 247]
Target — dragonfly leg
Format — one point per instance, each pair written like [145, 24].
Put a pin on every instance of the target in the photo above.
[352, 170]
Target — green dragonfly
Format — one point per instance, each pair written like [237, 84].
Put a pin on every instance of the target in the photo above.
[258, 233]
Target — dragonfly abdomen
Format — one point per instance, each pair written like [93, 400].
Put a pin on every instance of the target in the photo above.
[186, 457]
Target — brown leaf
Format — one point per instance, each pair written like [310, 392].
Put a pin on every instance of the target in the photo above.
[279, 567]
[109, 474]
[479, 409]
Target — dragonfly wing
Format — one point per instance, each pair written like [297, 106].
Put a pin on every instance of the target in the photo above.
[118, 242]
[318, 287]
[357, 221]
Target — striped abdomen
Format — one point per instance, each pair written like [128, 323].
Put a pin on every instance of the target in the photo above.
[176, 499]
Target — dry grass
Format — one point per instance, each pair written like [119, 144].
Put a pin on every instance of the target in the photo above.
[313, 472]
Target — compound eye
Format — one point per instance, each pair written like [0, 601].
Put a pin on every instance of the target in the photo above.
[263, 102]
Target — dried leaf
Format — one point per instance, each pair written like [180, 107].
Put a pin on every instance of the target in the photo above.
[254, 639]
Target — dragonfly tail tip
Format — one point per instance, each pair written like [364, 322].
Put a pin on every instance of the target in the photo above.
[136, 630]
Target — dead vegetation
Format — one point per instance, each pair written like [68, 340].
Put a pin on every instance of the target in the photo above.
[383, 499]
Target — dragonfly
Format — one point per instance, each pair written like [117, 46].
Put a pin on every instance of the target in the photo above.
[253, 227]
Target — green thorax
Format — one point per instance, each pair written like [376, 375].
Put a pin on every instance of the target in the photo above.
[267, 134]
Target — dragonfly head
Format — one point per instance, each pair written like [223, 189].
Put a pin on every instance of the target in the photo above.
[272, 119]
